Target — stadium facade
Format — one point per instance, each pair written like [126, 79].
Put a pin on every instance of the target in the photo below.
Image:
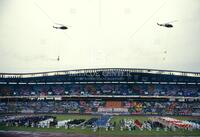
[107, 90]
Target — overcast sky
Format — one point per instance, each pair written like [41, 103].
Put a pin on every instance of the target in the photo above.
[101, 34]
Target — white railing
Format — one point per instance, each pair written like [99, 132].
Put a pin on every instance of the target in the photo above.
[95, 96]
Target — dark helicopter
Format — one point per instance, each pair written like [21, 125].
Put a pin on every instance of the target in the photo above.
[168, 24]
[60, 26]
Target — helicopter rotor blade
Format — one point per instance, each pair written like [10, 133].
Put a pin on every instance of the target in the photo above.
[171, 21]
[59, 24]
[62, 24]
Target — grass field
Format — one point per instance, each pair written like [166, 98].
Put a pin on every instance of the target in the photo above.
[102, 131]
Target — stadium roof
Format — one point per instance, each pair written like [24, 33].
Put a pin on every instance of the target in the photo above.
[81, 71]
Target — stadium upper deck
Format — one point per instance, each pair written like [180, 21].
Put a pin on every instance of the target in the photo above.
[104, 75]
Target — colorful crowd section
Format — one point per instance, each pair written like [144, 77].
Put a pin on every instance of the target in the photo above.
[102, 107]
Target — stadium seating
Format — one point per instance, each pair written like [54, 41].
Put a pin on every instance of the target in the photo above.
[113, 104]
[90, 107]
[100, 89]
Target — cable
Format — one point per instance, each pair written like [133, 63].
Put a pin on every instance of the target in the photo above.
[45, 13]
[141, 26]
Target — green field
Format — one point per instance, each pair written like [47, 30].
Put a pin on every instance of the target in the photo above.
[102, 131]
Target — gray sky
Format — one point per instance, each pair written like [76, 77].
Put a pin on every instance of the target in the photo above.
[102, 33]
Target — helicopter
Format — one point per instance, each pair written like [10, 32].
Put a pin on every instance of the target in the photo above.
[56, 25]
[60, 26]
[167, 25]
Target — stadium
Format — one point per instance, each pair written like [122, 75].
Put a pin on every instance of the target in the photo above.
[104, 101]
[108, 68]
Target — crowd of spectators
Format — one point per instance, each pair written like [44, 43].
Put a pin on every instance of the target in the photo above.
[100, 89]
[83, 106]
[90, 107]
